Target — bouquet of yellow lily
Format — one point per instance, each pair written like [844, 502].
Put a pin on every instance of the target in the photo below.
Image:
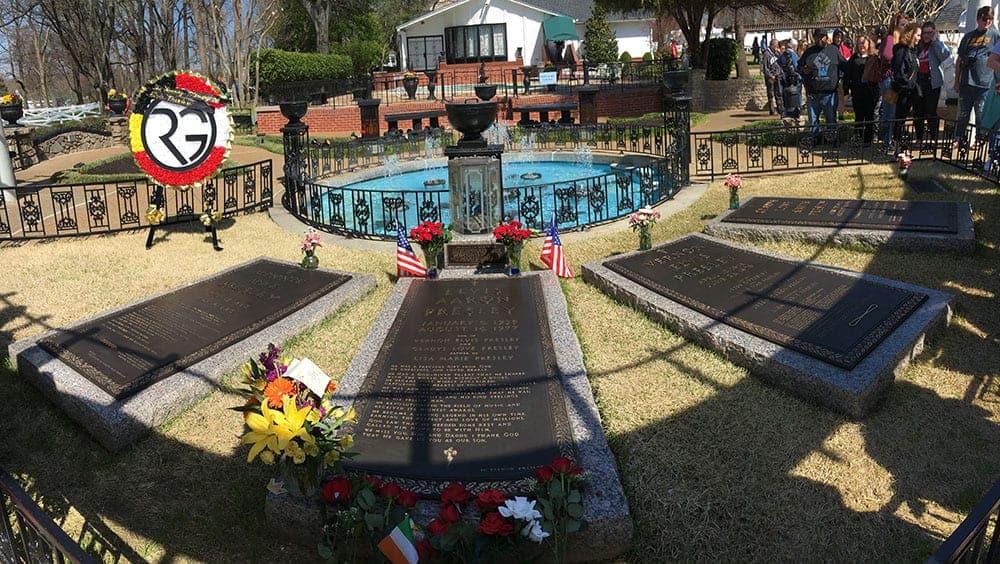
[11, 99]
[291, 420]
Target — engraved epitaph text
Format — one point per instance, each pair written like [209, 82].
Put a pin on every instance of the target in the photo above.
[128, 350]
[465, 388]
[890, 215]
[834, 317]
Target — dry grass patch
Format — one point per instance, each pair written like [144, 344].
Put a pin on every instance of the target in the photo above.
[716, 464]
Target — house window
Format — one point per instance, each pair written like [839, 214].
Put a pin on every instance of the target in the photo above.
[475, 43]
[422, 52]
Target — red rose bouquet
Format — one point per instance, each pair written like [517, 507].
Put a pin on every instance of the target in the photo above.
[512, 235]
[432, 237]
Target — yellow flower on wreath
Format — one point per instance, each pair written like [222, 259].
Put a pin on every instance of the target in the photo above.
[274, 430]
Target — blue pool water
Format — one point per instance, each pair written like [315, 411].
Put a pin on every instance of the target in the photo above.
[576, 194]
[551, 171]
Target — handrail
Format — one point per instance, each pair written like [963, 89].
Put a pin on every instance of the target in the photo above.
[965, 544]
[25, 521]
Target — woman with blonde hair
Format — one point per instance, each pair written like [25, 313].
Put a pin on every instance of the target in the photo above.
[905, 67]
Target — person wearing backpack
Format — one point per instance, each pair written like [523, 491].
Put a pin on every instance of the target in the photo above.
[973, 78]
[820, 67]
[772, 78]
[791, 82]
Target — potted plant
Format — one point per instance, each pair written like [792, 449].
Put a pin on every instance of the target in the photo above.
[11, 108]
[310, 260]
[117, 102]
[431, 82]
[432, 237]
[410, 82]
[512, 236]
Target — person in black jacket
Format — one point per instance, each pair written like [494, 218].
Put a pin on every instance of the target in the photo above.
[863, 92]
[820, 67]
[904, 75]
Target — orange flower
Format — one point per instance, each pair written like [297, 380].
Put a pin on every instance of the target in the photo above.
[331, 387]
[276, 391]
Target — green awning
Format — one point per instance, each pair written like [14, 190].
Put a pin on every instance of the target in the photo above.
[559, 28]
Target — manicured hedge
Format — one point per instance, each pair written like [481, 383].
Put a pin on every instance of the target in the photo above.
[288, 66]
[721, 58]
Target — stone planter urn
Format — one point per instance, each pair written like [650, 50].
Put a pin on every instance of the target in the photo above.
[410, 86]
[471, 119]
[676, 81]
[117, 106]
[11, 113]
[431, 83]
[293, 111]
[485, 91]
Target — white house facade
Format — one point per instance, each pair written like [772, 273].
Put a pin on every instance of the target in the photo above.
[537, 31]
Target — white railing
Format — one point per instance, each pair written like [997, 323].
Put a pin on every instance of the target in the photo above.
[49, 116]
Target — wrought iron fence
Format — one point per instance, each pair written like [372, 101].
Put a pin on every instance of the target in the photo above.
[27, 534]
[797, 147]
[588, 200]
[610, 76]
[58, 210]
[974, 541]
[575, 203]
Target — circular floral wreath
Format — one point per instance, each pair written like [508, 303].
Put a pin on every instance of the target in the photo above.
[188, 90]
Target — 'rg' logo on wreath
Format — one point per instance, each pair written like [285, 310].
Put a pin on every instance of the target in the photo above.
[178, 138]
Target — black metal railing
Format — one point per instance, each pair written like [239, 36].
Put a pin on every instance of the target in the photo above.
[591, 199]
[977, 538]
[27, 534]
[608, 76]
[58, 210]
[792, 147]
[576, 203]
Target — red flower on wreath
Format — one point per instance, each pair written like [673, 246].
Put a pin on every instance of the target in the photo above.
[495, 524]
[438, 527]
[489, 500]
[407, 499]
[449, 513]
[337, 490]
[455, 493]
[390, 490]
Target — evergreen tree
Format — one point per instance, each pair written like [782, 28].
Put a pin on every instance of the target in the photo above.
[600, 45]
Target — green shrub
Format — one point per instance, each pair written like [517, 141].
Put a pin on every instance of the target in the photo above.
[365, 55]
[648, 57]
[286, 66]
[722, 54]
[625, 57]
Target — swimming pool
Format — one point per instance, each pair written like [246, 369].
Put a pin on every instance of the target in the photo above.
[578, 189]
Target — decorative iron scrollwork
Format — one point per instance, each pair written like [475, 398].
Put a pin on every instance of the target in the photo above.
[429, 211]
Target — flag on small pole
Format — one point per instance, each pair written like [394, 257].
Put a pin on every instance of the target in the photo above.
[406, 260]
[399, 547]
[552, 252]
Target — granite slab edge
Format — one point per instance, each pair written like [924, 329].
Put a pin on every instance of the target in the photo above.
[962, 242]
[855, 393]
[606, 508]
[117, 423]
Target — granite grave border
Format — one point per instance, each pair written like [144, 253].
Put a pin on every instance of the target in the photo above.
[609, 527]
[116, 424]
[963, 242]
[854, 392]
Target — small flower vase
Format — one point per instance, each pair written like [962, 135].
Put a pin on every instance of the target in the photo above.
[301, 480]
[310, 261]
[431, 256]
[645, 239]
[514, 260]
[734, 198]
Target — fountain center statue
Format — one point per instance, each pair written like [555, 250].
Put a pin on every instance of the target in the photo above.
[474, 168]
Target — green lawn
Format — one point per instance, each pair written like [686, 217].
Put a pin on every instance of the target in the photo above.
[716, 465]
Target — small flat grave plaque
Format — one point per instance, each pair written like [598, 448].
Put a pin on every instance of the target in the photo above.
[474, 255]
[833, 317]
[465, 388]
[889, 215]
[128, 350]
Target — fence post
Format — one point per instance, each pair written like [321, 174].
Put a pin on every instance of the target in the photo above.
[677, 120]
[295, 139]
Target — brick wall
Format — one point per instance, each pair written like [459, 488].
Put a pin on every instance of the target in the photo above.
[733, 94]
[343, 120]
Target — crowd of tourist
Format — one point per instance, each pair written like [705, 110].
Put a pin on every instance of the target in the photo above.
[892, 74]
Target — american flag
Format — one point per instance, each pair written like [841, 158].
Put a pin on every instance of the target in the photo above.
[552, 253]
[406, 259]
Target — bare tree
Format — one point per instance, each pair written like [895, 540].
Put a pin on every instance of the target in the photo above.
[86, 28]
[861, 16]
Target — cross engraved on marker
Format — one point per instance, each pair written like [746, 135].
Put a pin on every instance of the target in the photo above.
[450, 453]
[858, 319]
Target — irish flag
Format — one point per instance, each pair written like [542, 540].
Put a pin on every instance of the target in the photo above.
[398, 547]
